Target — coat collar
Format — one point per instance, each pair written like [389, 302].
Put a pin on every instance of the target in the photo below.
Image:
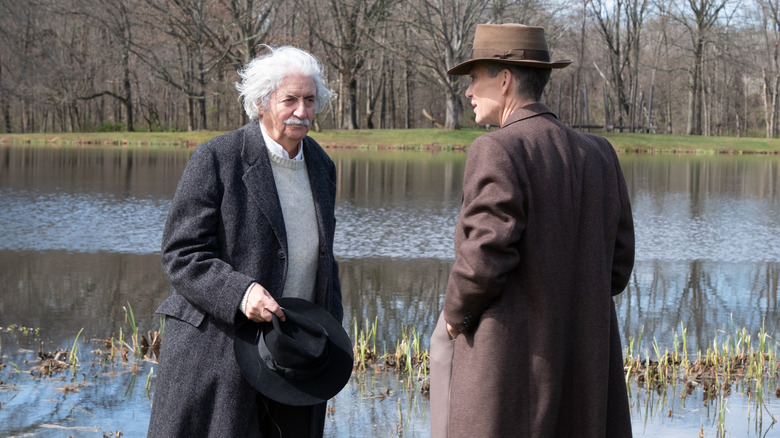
[526, 112]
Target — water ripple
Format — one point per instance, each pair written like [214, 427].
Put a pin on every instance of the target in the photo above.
[670, 227]
[80, 222]
[677, 228]
[398, 231]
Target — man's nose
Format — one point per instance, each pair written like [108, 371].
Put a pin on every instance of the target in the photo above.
[300, 109]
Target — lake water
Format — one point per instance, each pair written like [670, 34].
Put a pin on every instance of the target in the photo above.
[79, 243]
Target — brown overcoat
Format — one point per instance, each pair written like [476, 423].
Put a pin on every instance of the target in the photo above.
[544, 240]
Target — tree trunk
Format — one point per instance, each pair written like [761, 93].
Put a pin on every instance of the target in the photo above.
[408, 121]
[350, 122]
[4, 98]
[128, 94]
[452, 107]
[190, 114]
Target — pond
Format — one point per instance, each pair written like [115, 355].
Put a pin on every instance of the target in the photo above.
[79, 252]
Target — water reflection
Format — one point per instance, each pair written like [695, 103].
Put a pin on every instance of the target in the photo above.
[706, 227]
[120, 172]
[397, 294]
[707, 298]
[705, 207]
[81, 229]
[397, 205]
[381, 179]
[704, 176]
[62, 292]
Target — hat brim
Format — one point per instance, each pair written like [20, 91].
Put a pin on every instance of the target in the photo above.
[296, 392]
[464, 67]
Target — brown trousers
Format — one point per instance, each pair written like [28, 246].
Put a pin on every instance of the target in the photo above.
[442, 349]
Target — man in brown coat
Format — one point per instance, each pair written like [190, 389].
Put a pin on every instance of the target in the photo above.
[528, 344]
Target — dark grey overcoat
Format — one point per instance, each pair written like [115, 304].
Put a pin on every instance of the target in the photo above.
[544, 240]
[224, 231]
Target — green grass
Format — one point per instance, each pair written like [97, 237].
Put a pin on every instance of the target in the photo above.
[398, 138]
[692, 143]
[134, 139]
[415, 139]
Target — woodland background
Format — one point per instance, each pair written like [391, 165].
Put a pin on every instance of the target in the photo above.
[699, 67]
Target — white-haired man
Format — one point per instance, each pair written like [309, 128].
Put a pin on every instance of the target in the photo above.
[252, 221]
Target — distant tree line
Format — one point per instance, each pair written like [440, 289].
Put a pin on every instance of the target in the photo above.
[700, 67]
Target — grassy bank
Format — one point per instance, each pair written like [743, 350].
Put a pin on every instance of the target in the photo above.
[405, 139]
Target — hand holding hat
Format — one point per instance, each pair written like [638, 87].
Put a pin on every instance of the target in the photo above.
[302, 361]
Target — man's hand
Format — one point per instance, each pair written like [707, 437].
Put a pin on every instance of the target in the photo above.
[452, 331]
[260, 305]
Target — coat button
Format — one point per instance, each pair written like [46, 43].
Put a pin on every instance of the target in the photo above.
[280, 254]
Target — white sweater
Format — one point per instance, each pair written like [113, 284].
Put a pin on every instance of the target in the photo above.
[300, 222]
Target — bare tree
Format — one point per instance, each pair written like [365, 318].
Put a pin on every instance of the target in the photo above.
[114, 18]
[70, 65]
[348, 40]
[190, 58]
[248, 25]
[442, 31]
[9, 53]
[699, 21]
[769, 16]
[620, 27]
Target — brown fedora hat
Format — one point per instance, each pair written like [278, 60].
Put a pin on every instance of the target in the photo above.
[515, 44]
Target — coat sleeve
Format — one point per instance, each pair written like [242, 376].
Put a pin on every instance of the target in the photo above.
[190, 247]
[623, 258]
[492, 220]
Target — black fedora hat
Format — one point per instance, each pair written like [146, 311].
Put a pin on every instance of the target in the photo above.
[302, 361]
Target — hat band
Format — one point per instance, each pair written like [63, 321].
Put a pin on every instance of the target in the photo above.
[512, 55]
[286, 372]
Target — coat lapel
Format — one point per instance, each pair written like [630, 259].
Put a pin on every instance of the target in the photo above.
[259, 180]
[320, 184]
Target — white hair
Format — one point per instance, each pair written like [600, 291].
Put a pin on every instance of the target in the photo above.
[262, 76]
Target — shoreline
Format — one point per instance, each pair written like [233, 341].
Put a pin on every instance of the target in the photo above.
[421, 140]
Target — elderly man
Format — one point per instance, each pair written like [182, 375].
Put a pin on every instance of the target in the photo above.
[527, 344]
[252, 221]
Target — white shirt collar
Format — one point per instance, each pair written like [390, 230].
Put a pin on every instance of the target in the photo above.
[277, 149]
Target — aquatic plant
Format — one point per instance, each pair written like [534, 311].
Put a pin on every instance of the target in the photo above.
[737, 360]
[365, 345]
[409, 355]
[73, 356]
[661, 376]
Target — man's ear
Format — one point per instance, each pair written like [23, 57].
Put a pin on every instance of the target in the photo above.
[506, 80]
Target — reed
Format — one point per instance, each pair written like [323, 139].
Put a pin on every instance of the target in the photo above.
[129, 317]
[715, 369]
[136, 344]
[733, 360]
[409, 355]
[740, 360]
[73, 355]
[365, 345]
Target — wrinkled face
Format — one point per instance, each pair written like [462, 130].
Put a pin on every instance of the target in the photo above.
[290, 111]
[485, 95]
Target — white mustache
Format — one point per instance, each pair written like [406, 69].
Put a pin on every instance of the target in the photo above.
[296, 121]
